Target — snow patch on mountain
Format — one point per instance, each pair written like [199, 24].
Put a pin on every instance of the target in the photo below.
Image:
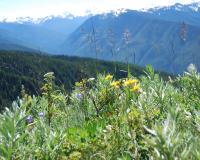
[119, 11]
[193, 7]
[30, 20]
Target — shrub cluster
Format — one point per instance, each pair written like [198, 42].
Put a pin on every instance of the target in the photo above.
[104, 118]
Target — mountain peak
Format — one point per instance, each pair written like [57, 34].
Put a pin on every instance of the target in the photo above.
[192, 7]
[30, 20]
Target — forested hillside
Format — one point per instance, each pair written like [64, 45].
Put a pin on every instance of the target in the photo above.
[24, 68]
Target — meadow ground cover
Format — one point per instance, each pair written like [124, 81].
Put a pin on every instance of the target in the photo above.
[106, 118]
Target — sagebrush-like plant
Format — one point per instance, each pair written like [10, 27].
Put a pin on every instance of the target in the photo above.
[106, 118]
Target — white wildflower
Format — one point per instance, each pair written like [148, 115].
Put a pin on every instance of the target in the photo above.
[191, 68]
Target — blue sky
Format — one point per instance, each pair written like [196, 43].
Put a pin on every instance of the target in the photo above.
[40, 8]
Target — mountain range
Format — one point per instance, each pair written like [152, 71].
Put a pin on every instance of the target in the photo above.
[166, 37]
[45, 34]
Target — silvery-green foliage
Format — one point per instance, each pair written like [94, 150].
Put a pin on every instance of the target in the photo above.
[103, 118]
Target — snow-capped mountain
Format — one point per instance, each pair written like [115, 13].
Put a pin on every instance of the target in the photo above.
[193, 7]
[178, 7]
[30, 20]
[44, 34]
[189, 13]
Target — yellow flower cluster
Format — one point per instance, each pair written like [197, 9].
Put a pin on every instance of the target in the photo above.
[136, 88]
[78, 84]
[109, 77]
[115, 84]
[132, 84]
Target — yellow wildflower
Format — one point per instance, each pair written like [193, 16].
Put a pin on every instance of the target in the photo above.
[136, 88]
[115, 84]
[108, 77]
[130, 82]
[78, 84]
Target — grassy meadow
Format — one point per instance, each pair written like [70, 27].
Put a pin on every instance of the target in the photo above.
[105, 118]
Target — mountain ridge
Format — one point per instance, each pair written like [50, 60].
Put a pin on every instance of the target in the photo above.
[149, 33]
[193, 6]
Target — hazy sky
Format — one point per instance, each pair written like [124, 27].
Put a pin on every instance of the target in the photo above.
[41, 8]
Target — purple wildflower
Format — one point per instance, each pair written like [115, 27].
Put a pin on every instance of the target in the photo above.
[29, 119]
[41, 114]
[79, 95]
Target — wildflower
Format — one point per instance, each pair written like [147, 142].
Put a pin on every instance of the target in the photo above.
[108, 77]
[136, 88]
[79, 95]
[130, 82]
[81, 83]
[78, 84]
[30, 119]
[192, 68]
[115, 84]
[41, 114]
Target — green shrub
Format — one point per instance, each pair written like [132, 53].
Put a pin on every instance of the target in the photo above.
[104, 118]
